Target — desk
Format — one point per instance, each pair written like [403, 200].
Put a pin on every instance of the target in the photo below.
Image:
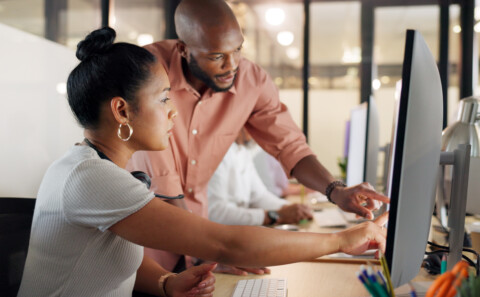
[322, 277]
[312, 279]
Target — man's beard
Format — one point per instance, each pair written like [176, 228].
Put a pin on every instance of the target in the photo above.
[201, 75]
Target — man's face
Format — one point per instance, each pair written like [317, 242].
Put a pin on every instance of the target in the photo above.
[216, 65]
[209, 80]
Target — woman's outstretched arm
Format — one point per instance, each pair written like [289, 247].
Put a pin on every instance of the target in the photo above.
[162, 226]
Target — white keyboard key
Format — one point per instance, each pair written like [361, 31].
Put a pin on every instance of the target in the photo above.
[261, 287]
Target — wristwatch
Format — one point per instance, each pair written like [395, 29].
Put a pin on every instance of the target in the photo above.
[273, 216]
[162, 282]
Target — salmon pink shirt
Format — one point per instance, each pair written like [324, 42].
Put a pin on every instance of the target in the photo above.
[207, 124]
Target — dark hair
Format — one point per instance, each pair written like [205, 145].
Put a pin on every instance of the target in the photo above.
[106, 70]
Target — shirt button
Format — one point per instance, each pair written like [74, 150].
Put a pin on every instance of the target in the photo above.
[193, 162]
[194, 131]
[190, 190]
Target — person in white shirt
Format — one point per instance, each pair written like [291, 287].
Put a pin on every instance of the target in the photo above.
[237, 195]
[273, 176]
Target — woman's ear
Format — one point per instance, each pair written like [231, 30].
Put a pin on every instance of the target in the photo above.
[120, 110]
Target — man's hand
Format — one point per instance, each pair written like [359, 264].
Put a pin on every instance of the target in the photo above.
[365, 236]
[361, 199]
[294, 213]
[195, 281]
[227, 269]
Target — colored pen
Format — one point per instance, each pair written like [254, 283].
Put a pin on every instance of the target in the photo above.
[380, 290]
[412, 291]
[371, 274]
[443, 266]
[382, 280]
[365, 273]
[365, 283]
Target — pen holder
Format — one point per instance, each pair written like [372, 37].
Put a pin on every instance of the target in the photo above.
[378, 284]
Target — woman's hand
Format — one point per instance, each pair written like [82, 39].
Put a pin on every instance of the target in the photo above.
[364, 236]
[195, 281]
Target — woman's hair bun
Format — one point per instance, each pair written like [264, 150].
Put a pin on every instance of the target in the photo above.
[96, 43]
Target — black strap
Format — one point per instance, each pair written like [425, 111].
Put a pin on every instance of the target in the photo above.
[99, 152]
[140, 175]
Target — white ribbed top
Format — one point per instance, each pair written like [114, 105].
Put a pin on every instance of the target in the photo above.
[71, 251]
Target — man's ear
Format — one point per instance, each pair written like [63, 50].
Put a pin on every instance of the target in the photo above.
[182, 48]
[120, 110]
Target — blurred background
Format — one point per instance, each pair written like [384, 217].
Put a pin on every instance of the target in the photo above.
[326, 57]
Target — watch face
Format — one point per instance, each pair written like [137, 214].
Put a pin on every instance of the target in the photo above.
[273, 215]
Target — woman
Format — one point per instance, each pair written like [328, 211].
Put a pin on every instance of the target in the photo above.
[92, 216]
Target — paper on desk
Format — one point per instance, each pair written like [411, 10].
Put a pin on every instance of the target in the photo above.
[316, 197]
[330, 217]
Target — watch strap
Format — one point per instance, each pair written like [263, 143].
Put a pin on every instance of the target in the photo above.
[273, 216]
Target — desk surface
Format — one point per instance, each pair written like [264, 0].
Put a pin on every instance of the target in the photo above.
[312, 279]
[328, 277]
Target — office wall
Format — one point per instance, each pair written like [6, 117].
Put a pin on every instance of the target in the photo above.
[36, 124]
[330, 109]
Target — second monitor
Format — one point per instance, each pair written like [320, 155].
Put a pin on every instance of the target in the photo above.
[362, 158]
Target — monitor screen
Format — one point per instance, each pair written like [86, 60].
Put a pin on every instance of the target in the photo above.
[362, 157]
[414, 163]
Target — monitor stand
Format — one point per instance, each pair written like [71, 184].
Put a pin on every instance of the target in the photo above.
[460, 159]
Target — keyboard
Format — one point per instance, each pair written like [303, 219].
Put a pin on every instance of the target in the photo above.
[261, 287]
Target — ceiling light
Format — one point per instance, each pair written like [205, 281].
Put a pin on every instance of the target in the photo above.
[293, 52]
[457, 29]
[278, 80]
[352, 55]
[285, 38]
[477, 27]
[376, 84]
[275, 16]
[385, 79]
[144, 39]
[62, 88]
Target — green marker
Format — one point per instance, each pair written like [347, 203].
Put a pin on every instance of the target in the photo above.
[303, 221]
[443, 266]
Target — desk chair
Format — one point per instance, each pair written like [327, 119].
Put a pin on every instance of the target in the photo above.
[15, 222]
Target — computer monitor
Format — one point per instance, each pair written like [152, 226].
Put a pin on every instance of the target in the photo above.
[362, 158]
[415, 159]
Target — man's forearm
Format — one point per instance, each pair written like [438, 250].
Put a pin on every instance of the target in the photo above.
[311, 173]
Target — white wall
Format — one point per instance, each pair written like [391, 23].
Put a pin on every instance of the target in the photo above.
[329, 110]
[36, 124]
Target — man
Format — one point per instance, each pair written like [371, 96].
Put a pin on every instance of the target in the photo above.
[217, 92]
[237, 195]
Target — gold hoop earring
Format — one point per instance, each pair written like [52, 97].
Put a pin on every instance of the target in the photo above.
[130, 132]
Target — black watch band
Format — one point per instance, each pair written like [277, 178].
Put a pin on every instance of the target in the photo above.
[273, 216]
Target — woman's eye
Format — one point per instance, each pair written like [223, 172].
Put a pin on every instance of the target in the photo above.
[165, 100]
